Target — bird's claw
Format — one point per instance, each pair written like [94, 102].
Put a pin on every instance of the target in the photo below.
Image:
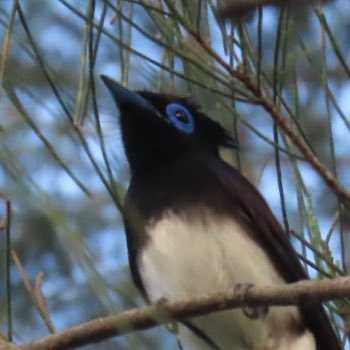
[252, 312]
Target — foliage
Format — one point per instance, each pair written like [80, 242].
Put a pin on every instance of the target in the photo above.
[278, 79]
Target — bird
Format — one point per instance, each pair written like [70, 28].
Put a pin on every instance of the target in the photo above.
[194, 225]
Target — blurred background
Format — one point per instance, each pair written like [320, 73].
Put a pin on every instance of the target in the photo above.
[62, 164]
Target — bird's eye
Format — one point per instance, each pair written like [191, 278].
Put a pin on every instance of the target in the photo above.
[180, 117]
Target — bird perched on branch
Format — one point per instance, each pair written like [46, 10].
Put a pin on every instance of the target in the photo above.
[195, 225]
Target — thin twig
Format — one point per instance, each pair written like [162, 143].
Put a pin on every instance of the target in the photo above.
[273, 110]
[6, 226]
[8, 269]
[35, 292]
[41, 302]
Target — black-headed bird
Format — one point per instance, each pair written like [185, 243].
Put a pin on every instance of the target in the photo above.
[195, 225]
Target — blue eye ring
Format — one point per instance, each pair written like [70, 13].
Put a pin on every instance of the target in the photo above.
[180, 117]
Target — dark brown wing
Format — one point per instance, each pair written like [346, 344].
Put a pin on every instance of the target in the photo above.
[254, 212]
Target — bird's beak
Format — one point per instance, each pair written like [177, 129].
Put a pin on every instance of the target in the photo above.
[125, 97]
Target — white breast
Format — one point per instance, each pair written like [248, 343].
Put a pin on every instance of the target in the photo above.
[187, 258]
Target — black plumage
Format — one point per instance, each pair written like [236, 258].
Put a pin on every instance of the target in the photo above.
[173, 153]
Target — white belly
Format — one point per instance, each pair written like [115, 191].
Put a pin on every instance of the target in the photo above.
[183, 259]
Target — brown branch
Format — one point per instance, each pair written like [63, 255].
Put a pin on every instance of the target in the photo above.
[35, 292]
[7, 346]
[239, 9]
[302, 293]
[3, 338]
[245, 78]
[41, 303]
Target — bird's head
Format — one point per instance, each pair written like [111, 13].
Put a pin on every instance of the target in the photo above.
[156, 128]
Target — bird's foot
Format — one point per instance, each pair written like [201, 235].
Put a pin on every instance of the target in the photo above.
[161, 313]
[252, 312]
[173, 327]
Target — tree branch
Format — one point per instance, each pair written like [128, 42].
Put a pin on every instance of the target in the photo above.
[303, 293]
[270, 107]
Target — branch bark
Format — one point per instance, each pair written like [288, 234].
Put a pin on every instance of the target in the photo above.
[303, 293]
